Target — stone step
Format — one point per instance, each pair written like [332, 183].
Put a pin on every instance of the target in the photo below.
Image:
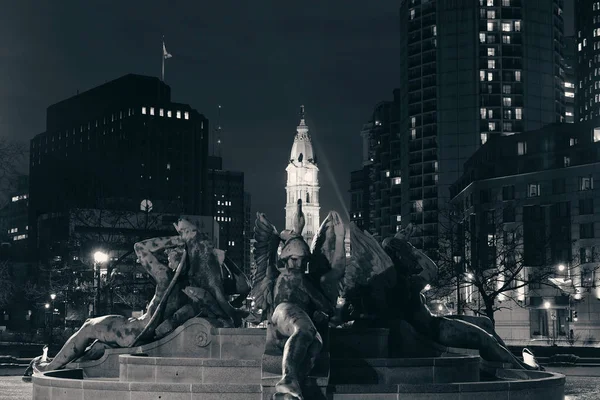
[188, 370]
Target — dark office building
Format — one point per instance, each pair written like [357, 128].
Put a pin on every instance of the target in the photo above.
[539, 188]
[570, 68]
[587, 35]
[226, 193]
[123, 145]
[359, 198]
[470, 69]
[375, 189]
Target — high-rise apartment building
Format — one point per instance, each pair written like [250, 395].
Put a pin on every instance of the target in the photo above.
[123, 146]
[570, 68]
[470, 69]
[587, 35]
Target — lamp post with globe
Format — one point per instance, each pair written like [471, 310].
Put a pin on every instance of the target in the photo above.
[99, 258]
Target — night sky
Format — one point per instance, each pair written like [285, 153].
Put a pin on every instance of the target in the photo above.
[259, 59]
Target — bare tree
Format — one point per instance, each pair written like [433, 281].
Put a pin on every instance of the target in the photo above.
[12, 154]
[490, 261]
[7, 287]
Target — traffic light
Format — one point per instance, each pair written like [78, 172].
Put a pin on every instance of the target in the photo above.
[575, 316]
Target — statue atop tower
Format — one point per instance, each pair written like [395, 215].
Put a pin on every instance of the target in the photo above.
[303, 181]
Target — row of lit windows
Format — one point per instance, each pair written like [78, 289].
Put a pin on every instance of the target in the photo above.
[223, 219]
[20, 237]
[492, 3]
[584, 183]
[19, 197]
[487, 113]
[492, 26]
[161, 113]
[483, 38]
[224, 203]
[489, 76]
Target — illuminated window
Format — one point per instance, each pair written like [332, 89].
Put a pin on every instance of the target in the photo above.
[151, 110]
[533, 190]
[412, 13]
[434, 30]
[518, 76]
[506, 27]
[491, 126]
[567, 161]
[491, 64]
[506, 39]
[522, 148]
[387, 174]
[398, 218]
[517, 26]
[507, 101]
[596, 135]
[418, 206]
[178, 114]
[482, 75]
[484, 138]
[490, 76]
[490, 3]
[413, 134]
[568, 113]
[186, 115]
[169, 113]
[506, 89]
[586, 183]
[161, 112]
[143, 110]
[490, 114]
[518, 113]
[584, 42]
[491, 51]
[572, 141]
[483, 113]
[482, 37]
[396, 181]
[505, 3]
[490, 26]
[413, 121]
[491, 14]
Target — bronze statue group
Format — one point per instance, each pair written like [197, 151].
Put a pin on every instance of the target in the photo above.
[294, 287]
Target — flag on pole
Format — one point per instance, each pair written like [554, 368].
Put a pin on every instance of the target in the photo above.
[166, 54]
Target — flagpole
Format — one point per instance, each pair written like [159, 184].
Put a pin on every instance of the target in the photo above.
[162, 51]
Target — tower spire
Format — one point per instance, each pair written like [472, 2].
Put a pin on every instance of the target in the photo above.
[302, 115]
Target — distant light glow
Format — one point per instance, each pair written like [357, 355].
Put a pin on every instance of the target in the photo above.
[561, 267]
[440, 307]
[427, 287]
[100, 257]
[547, 304]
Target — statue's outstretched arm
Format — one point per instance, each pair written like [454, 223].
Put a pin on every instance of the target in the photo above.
[155, 244]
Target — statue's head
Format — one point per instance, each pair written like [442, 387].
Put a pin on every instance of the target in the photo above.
[295, 253]
[186, 228]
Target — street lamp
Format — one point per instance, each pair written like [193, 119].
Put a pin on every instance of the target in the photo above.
[547, 305]
[561, 267]
[99, 258]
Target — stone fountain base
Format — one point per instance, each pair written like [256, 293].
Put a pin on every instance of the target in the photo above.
[198, 361]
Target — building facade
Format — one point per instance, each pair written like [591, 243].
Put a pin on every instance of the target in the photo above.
[14, 218]
[587, 28]
[469, 70]
[123, 145]
[303, 182]
[570, 68]
[537, 191]
[375, 195]
[226, 191]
